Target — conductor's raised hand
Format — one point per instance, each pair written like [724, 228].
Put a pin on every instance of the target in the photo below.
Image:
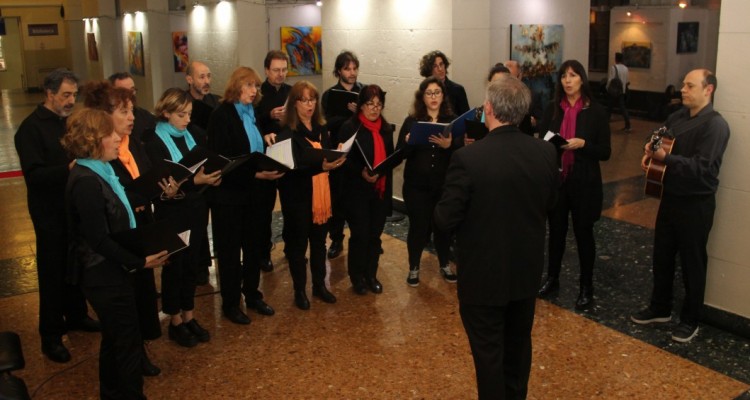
[156, 260]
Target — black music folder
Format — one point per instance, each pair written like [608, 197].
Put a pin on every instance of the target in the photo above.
[476, 129]
[384, 166]
[152, 238]
[147, 185]
[262, 162]
[338, 102]
[555, 139]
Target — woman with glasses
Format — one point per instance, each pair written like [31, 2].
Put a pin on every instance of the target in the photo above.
[367, 197]
[170, 140]
[236, 208]
[584, 124]
[424, 173]
[305, 194]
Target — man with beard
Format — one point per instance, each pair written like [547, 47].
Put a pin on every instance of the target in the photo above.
[45, 167]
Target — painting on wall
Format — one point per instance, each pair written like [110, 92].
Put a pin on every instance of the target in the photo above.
[180, 51]
[636, 54]
[538, 48]
[135, 54]
[303, 45]
[687, 37]
[91, 45]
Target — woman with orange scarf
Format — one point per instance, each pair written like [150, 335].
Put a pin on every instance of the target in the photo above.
[367, 197]
[305, 194]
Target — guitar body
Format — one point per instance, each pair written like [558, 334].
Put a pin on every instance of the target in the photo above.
[656, 169]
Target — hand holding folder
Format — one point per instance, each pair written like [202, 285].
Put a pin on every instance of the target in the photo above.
[384, 166]
[152, 239]
[555, 139]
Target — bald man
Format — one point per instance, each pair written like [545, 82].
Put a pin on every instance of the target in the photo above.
[198, 77]
[686, 211]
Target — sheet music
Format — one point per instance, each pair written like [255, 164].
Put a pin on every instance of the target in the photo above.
[346, 146]
[282, 152]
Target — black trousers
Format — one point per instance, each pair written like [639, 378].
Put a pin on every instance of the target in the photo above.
[682, 227]
[583, 228]
[500, 341]
[299, 230]
[121, 348]
[238, 246]
[366, 217]
[337, 221]
[144, 286]
[420, 205]
[58, 301]
[264, 199]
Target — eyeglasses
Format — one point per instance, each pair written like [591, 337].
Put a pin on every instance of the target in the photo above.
[434, 94]
[374, 106]
[308, 101]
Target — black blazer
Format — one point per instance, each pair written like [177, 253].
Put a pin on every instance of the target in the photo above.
[585, 179]
[496, 198]
[457, 96]
[295, 187]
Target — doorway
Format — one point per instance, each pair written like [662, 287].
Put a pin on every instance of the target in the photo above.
[11, 56]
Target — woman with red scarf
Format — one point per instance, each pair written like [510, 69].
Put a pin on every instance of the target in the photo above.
[305, 194]
[585, 125]
[367, 197]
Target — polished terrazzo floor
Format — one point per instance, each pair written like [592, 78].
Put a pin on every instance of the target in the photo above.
[406, 342]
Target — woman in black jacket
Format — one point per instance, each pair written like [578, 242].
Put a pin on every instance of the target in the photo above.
[305, 194]
[585, 125]
[97, 207]
[236, 209]
[424, 173]
[367, 198]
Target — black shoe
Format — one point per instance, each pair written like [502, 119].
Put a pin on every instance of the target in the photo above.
[260, 307]
[197, 330]
[87, 324]
[684, 332]
[335, 249]
[300, 300]
[236, 315]
[359, 287]
[448, 274]
[147, 367]
[56, 351]
[585, 298]
[550, 286]
[182, 335]
[375, 285]
[322, 293]
[266, 265]
[648, 316]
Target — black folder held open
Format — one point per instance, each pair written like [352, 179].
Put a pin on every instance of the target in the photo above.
[152, 238]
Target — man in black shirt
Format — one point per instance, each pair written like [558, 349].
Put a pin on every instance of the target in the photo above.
[436, 63]
[688, 202]
[198, 77]
[346, 69]
[45, 166]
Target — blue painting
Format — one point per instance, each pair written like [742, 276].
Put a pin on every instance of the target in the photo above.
[538, 48]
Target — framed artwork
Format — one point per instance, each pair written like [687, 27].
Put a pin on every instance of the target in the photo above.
[636, 54]
[687, 37]
[180, 51]
[135, 54]
[538, 48]
[91, 46]
[303, 45]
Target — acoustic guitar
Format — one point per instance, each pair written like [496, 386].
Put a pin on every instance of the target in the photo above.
[660, 138]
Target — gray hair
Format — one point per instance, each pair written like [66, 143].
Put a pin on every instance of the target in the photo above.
[55, 78]
[509, 98]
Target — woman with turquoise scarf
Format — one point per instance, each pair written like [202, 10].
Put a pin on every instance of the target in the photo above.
[237, 205]
[171, 141]
[97, 207]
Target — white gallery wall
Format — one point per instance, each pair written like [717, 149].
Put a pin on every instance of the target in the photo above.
[292, 15]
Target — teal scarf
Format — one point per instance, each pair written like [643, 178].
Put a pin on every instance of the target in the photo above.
[247, 114]
[105, 171]
[166, 131]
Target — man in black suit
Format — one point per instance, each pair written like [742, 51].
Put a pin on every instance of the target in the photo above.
[496, 198]
[436, 64]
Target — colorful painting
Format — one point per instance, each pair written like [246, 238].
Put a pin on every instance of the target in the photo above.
[303, 45]
[636, 54]
[687, 37]
[135, 54]
[180, 51]
[91, 44]
[538, 48]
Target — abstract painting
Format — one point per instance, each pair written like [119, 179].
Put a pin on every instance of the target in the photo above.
[135, 54]
[636, 54]
[538, 48]
[180, 51]
[687, 37]
[303, 45]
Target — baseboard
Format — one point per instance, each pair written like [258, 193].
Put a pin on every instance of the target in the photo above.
[727, 321]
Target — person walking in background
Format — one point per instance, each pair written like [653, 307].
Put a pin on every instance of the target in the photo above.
[619, 71]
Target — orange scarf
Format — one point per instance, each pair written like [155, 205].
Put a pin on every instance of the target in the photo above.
[127, 157]
[321, 198]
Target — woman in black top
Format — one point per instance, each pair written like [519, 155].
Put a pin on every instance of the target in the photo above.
[584, 124]
[98, 207]
[305, 194]
[424, 173]
[236, 209]
[367, 198]
[171, 140]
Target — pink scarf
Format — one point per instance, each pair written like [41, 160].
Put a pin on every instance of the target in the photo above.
[568, 131]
